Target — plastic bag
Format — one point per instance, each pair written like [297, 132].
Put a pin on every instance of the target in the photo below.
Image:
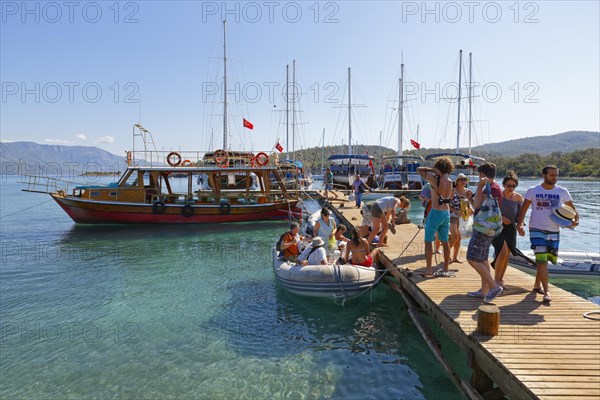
[351, 197]
[465, 227]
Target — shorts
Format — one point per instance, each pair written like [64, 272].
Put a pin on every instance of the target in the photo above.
[367, 263]
[453, 219]
[376, 212]
[366, 213]
[329, 186]
[437, 221]
[479, 247]
[544, 245]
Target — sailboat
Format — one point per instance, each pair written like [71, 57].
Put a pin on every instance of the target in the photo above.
[465, 163]
[345, 166]
[400, 171]
[219, 186]
[295, 174]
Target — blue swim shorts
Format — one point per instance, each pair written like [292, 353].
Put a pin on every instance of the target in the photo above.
[437, 221]
[544, 245]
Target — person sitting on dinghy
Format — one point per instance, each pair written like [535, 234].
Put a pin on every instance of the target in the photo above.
[341, 240]
[360, 247]
[315, 254]
[290, 242]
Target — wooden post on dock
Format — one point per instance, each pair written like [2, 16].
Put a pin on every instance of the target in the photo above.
[488, 322]
[488, 319]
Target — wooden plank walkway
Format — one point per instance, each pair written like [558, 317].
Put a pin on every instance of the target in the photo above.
[542, 351]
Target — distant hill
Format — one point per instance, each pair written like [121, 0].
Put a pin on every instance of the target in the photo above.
[32, 158]
[565, 142]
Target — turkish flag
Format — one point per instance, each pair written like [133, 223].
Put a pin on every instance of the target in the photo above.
[248, 124]
[279, 147]
[371, 165]
[415, 144]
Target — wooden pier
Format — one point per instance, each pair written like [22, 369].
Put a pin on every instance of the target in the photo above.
[546, 351]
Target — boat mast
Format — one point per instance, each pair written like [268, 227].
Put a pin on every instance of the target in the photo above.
[322, 149]
[470, 98]
[349, 117]
[225, 85]
[380, 151]
[459, 83]
[400, 109]
[417, 133]
[287, 111]
[294, 108]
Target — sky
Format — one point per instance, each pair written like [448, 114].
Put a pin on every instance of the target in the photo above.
[83, 73]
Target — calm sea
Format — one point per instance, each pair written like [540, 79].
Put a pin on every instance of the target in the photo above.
[195, 312]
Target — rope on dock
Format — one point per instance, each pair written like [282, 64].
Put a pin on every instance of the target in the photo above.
[587, 315]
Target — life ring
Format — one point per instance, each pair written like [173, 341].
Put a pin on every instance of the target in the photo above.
[177, 156]
[187, 163]
[261, 159]
[158, 207]
[225, 208]
[187, 211]
[220, 157]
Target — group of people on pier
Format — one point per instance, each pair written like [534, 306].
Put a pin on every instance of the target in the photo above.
[447, 202]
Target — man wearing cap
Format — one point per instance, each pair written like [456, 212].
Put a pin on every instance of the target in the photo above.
[289, 243]
[315, 254]
[552, 207]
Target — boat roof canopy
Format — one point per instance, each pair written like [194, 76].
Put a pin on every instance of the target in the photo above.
[461, 155]
[335, 157]
[408, 157]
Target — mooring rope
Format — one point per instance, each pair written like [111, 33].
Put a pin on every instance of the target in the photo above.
[587, 315]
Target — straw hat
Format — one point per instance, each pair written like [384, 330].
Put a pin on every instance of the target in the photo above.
[316, 242]
[563, 215]
[461, 176]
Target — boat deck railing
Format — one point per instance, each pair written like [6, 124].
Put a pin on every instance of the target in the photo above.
[199, 158]
[46, 184]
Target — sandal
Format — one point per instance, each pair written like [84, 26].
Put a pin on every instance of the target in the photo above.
[537, 290]
[547, 298]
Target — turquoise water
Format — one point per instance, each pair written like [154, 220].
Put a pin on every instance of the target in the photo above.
[193, 312]
[185, 312]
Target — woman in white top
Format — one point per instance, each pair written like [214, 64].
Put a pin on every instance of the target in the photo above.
[325, 226]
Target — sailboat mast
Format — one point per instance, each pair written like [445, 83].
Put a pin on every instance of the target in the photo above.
[287, 111]
[294, 108]
[224, 85]
[418, 133]
[459, 84]
[349, 116]
[470, 98]
[322, 149]
[400, 109]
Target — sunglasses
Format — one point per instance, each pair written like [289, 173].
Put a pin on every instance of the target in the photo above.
[511, 186]
[462, 179]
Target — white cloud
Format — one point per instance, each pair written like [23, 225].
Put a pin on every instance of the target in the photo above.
[58, 141]
[80, 136]
[105, 139]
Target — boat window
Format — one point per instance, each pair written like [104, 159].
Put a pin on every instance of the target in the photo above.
[131, 180]
[147, 179]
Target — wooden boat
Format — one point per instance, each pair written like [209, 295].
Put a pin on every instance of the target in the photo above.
[571, 264]
[147, 194]
[329, 281]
